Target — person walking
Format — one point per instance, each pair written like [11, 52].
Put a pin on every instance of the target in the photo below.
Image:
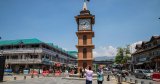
[80, 72]
[89, 75]
[100, 76]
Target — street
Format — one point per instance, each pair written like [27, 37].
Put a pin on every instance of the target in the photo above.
[56, 80]
[132, 78]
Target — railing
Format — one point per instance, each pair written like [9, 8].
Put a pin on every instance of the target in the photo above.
[22, 50]
[23, 61]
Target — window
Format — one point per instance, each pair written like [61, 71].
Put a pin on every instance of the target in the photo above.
[14, 57]
[84, 40]
[155, 43]
[156, 52]
[7, 57]
[149, 45]
[35, 56]
[140, 72]
[150, 54]
[84, 53]
[153, 53]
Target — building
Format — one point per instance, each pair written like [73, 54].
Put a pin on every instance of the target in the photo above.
[147, 55]
[33, 54]
[85, 22]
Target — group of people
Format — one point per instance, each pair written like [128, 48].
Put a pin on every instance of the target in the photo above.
[88, 73]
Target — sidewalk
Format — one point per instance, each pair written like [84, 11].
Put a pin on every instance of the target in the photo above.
[18, 77]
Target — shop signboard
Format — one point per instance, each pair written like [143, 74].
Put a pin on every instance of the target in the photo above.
[25, 72]
[142, 59]
[47, 61]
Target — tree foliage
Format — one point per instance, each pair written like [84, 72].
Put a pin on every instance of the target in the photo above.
[122, 55]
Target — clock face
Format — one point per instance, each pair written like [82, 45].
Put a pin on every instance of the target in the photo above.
[84, 24]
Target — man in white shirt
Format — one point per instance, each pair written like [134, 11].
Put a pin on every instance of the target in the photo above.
[89, 75]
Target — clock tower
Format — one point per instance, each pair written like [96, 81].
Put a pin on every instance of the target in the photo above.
[85, 21]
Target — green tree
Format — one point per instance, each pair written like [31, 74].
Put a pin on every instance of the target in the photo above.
[119, 56]
[123, 55]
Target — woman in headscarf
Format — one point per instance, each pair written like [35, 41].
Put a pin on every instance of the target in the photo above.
[100, 76]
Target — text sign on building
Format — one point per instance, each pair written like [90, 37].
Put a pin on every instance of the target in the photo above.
[142, 59]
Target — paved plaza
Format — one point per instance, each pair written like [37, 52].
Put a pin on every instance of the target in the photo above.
[54, 80]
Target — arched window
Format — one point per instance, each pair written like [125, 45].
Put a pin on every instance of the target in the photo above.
[84, 53]
[84, 40]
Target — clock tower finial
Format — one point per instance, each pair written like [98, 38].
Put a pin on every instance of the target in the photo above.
[85, 4]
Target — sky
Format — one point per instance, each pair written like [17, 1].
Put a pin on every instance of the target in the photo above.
[117, 22]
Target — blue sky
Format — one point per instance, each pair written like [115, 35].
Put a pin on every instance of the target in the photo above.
[118, 22]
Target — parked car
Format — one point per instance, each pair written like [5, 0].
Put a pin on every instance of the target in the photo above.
[140, 73]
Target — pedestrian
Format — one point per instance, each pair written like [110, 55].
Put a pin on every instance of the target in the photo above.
[89, 75]
[100, 76]
[83, 71]
[80, 72]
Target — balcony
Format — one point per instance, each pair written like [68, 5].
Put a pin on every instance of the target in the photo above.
[21, 50]
[23, 61]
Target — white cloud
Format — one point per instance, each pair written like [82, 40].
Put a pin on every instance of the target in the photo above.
[132, 46]
[105, 51]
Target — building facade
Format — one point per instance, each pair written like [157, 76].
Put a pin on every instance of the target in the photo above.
[33, 54]
[147, 55]
[85, 34]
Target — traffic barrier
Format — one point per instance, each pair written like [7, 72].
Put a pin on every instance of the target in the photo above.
[45, 73]
[15, 78]
[119, 79]
[136, 81]
[130, 80]
[57, 73]
[125, 79]
[108, 78]
[24, 77]
[38, 75]
[142, 82]
[32, 76]
[156, 76]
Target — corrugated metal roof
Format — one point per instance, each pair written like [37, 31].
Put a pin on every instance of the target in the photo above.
[16, 42]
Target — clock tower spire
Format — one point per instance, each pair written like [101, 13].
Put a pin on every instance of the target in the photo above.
[85, 5]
